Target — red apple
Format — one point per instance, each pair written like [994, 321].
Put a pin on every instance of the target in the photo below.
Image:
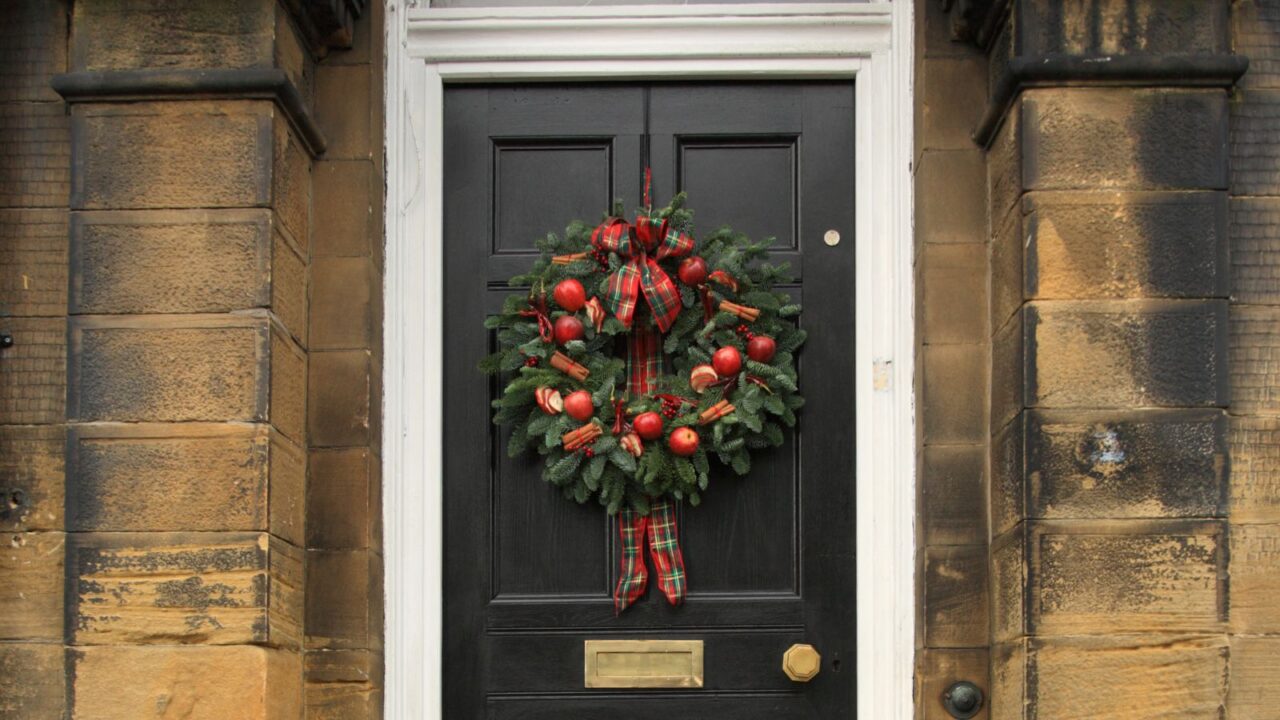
[693, 271]
[761, 348]
[683, 441]
[727, 361]
[648, 425]
[578, 405]
[570, 295]
[568, 328]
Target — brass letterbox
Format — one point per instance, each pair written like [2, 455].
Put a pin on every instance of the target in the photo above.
[643, 664]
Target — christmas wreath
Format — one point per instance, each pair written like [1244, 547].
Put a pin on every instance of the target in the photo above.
[630, 401]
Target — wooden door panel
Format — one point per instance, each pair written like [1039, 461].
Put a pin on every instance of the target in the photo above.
[748, 182]
[527, 521]
[751, 547]
[734, 661]
[663, 706]
[528, 574]
[557, 154]
[650, 616]
[540, 184]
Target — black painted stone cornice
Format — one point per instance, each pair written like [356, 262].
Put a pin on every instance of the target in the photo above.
[327, 24]
[975, 21]
[1217, 70]
[248, 83]
[1101, 43]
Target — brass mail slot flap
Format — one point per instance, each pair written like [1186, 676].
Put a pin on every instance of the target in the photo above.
[643, 664]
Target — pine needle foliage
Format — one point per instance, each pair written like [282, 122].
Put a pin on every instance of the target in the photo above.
[765, 396]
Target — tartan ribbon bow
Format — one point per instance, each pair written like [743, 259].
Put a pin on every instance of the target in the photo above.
[641, 246]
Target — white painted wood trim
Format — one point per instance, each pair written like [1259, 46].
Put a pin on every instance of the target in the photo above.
[646, 32]
[427, 48]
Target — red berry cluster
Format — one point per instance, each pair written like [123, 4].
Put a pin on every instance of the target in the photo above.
[589, 453]
[531, 361]
[745, 332]
[601, 256]
[670, 408]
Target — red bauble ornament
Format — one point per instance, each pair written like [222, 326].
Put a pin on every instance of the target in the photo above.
[648, 425]
[578, 405]
[727, 361]
[568, 328]
[693, 271]
[570, 295]
[683, 441]
[761, 348]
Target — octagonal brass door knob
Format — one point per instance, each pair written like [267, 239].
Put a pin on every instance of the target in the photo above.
[801, 662]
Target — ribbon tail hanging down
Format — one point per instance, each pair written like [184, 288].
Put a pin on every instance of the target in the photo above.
[658, 529]
[633, 577]
[664, 545]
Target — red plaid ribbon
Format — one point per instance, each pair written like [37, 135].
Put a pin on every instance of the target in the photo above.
[644, 361]
[664, 545]
[644, 358]
[640, 272]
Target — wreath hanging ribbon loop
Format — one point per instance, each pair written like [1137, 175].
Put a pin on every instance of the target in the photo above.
[641, 246]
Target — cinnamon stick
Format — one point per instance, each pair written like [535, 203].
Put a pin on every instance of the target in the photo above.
[568, 259]
[743, 312]
[715, 412]
[584, 435]
[566, 365]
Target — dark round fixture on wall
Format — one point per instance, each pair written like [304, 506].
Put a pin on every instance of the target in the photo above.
[963, 700]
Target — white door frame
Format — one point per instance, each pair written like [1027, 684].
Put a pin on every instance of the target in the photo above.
[870, 42]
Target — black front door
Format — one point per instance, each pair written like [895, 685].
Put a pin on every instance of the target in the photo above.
[770, 557]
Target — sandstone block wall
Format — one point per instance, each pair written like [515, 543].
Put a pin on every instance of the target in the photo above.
[35, 180]
[1254, 237]
[194, 374]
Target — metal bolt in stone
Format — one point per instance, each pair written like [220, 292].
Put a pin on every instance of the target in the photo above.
[962, 700]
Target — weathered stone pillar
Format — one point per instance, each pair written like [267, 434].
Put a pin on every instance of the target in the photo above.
[1107, 140]
[343, 628]
[953, 349]
[192, 147]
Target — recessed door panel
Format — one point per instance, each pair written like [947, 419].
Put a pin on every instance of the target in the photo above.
[539, 184]
[529, 524]
[746, 182]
